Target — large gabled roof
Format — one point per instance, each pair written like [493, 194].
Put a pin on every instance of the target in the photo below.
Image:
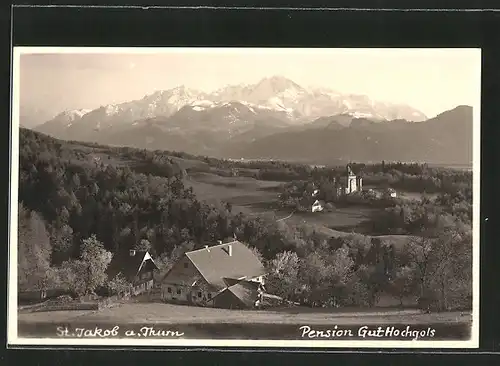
[218, 263]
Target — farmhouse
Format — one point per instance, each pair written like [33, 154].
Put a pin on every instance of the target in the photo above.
[226, 275]
[137, 267]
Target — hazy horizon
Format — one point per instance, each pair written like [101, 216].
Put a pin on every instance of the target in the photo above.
[430, 80]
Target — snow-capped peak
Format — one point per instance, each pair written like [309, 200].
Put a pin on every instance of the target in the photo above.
[203, 103]
[111, 109]
[276, 103]
[275, 94]
[73, 113]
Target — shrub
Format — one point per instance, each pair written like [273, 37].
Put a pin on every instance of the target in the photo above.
[118, 285]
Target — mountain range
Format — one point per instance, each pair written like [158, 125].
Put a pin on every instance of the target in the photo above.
[274, 118]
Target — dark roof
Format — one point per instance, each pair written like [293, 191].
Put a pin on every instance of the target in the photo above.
[245, 292]
[230, 281]
[129, 265]
[226, 299]
[217, 266]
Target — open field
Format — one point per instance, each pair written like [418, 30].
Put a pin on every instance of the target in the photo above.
[415, 195]
[341, 219]
[178, 314]
[258, 197]
[108, 157]
[405, 195]
[198, 322]
[250, 195]
[246, 195]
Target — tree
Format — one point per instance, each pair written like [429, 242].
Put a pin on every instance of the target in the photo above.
[356, 292]
[283, 277]
[96, 260]
[86, 274]
[419, 250]
[62, 243]
[358, 247]
[373, 276]
[340, 273]
[257, 254]
[34, 251]
[118, 285]
[443, 263]
[403, 283]
[143, 245]
[451, 267]
[72, 275]
[324, 276]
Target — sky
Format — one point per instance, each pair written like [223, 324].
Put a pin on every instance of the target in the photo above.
[431, 80]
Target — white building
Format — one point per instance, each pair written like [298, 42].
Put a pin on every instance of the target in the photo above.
[317, 206]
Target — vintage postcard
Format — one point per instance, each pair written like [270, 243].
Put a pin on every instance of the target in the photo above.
[245, 197]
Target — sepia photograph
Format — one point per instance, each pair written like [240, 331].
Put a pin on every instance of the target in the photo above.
[245, 197]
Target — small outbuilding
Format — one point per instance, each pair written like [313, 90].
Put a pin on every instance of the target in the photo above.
[137, 267]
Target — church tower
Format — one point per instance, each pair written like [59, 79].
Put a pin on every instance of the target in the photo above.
[360, 183]
[351, 184]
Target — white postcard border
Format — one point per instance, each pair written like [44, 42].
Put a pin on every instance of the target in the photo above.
[14, 340]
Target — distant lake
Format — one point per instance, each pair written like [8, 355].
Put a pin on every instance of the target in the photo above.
[467, 167]
[317, 166]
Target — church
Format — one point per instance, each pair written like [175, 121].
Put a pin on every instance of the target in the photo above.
[348, 183]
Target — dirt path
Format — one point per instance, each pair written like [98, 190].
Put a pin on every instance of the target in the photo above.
[287, 217]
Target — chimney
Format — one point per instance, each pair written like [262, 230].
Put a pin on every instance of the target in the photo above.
[132, 252]
[230, 250]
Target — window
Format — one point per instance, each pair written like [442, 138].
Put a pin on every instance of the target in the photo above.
[169, 290]
[178, 291]
[185, 264]
[199, 294]
[209, 295]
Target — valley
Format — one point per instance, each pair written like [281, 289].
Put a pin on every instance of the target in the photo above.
[213, 182]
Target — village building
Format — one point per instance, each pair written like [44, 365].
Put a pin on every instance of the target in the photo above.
[318, 206]
[390, 193]
[226, 275]
[137, 267]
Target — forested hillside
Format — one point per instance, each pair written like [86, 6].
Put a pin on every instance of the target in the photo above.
[81, 204]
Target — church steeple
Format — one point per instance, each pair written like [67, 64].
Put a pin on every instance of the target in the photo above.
[349, 171]
[351, 181]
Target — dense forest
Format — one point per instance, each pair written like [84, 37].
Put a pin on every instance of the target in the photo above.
[75, 214]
